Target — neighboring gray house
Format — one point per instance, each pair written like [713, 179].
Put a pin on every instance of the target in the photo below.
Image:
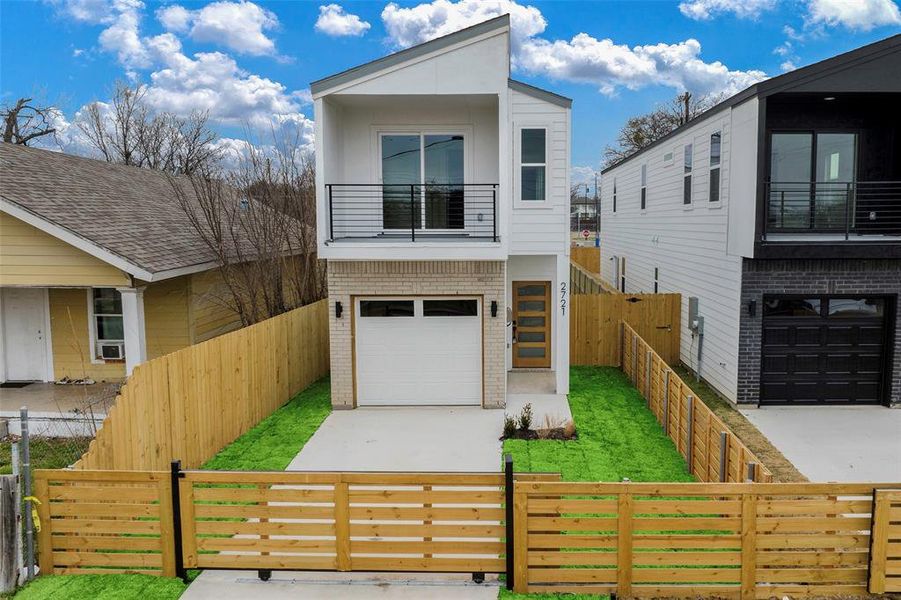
[777, 215]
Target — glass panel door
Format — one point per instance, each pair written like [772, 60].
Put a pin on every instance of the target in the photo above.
[444, 206]
[401, 168]
[836, 164]
[790, 171]
[532, 324]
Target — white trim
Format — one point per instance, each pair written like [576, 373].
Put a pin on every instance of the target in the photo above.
[74, 240]
[48, 341]
[92, 326]
[518, 202]
[2, 342]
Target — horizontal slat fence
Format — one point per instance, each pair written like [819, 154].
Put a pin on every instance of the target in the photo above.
[693, 540]
[191, 403]
[588, 257]
[594, 322]
[100, 522]
[885, 563]
[713, 452]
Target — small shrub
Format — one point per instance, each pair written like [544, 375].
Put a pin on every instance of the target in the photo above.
[509, 426]
[569, 428]
[525, 417]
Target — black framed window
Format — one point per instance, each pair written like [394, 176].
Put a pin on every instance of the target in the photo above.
[533, 164]
[614, 194]
[644, 187]
[386, 308]
[792, 307]
[715, 155]
[450, 308]
[686, 182]
[856, 307]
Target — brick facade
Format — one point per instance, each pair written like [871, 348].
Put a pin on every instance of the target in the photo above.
[402, 278]
[761, 277]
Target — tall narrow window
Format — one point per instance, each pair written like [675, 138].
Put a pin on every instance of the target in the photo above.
[656, 279]
[686, 183]
[715, 150]
[614, 194]
[109, 329]
[533, 165]
[622, 274]
[644, 187]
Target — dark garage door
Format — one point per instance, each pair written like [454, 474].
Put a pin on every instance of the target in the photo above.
[822, 350]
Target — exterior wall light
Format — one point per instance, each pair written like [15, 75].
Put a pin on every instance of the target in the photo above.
[494, 308]
[338, 310]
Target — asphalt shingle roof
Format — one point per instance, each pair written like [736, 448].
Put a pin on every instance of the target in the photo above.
[129, 211]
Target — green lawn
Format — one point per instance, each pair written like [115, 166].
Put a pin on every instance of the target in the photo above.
[101, 587]
[278, 438]
[618, 436]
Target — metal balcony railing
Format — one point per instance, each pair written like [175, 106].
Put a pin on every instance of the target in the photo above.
[412, 212]
[844, 209]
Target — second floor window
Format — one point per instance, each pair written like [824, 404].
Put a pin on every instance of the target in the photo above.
[715, 151]
[614, 194]
[644, 187]
[533, 165]
[686, 183]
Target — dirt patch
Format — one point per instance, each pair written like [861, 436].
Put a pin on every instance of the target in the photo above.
[781, 468]
[556, 433]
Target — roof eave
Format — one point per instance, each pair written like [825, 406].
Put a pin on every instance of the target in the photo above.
[539, 93]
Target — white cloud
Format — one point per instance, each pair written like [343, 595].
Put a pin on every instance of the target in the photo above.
[174, 18]
[410, 26]
[334, 21]
[122, 37]
[703, 10]
[85, 11]
[240, 26]
[788, 65]
[862, 15]
[583, 175]
[583, 59]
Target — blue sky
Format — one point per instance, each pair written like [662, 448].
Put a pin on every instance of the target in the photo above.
[251, 62]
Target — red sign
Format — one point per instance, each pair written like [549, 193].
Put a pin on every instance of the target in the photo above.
[585, 233]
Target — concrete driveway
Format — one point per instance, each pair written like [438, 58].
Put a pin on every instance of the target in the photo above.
[836, 443]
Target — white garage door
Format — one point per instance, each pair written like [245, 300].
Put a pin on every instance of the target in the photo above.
[418, 351]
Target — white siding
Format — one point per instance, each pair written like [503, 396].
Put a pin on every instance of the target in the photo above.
[743, 183]
[688, 244]
[544, 229]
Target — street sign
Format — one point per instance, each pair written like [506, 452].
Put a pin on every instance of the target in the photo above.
[585, 233]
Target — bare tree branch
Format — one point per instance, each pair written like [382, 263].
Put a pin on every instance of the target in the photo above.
[25, 121]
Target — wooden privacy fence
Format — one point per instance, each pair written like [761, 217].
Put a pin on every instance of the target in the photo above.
[654, 540]
[594, 324]
[588, 257]
[644, 540]
[581, 281]
[193, 402]
[712, 451]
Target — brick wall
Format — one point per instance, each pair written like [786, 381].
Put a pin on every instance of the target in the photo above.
[761, 277]
[357, 278]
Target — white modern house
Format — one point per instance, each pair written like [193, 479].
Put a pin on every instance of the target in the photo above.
[777, 215]
[442, 195]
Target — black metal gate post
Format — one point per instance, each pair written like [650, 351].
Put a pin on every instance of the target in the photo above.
[508, 516]
[176, 474]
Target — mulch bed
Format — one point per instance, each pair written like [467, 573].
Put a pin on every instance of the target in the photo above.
[556, 433]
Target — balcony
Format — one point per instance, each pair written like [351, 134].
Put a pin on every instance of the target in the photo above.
[412, 212]
[860, 211]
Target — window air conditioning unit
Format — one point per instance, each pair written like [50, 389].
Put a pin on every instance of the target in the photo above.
[112, 350]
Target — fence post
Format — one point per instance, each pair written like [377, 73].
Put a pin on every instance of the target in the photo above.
[691, 434]
[666, 407]
[724, 456]
[175, 475]
[748, 545]
[624, 546]
[622, 345]
[666, 387]
[635, 359]
[342, 526]
[26, 484]
[17, 471]
[508, 519]
[8, 519]
[878, 542]
[520, 538]
[647, 377]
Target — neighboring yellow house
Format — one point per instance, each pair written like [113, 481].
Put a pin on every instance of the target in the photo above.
[99, 270]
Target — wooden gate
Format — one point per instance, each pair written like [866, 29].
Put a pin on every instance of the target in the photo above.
[885, 557]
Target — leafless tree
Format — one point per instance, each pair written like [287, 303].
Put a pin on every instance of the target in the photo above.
[259, 222]
[643, 130]
[26, 120]
[126, 131]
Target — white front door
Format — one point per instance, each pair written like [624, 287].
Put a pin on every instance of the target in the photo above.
[24, 334]
[418, 351]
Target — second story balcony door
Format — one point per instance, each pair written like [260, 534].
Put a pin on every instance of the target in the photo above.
[422, 177]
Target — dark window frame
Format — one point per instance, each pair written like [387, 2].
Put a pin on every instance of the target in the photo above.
[687, 167]
[471, 304]
[368, 304]
[713, 194]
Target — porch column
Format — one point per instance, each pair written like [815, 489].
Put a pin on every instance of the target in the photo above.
[133, 322]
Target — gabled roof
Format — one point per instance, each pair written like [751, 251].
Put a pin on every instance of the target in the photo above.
[411, 53]
[787, 81]
[125, 216]
[541, 94]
